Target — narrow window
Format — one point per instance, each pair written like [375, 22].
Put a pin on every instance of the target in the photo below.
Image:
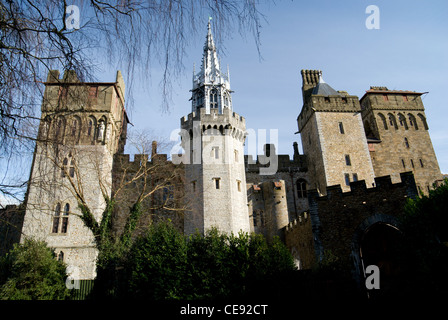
[402, 162]
[64, 167]
[385, 97]
[341, 128]
[238, 183]
[193, 185]
[236, 155]
[57, 215]
[215, 152]
[406, 142]
[412, 164]
[421, 163]
[347, 179]
[61, 256]
[429, 189]
[347, 160]
[72, 169]
[301, 188]
[65, 218]
[217, 182]
[355, 177]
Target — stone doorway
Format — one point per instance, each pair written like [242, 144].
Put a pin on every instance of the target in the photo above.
[380, 246]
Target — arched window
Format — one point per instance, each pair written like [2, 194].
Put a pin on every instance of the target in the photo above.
[402, 121]
[59, 129]
[412, 121]
[91, 127]
[56, 218]
[301, 188]
[383, 120]
[423, 119]
[392, 121]
[64, 224]
[213, 98]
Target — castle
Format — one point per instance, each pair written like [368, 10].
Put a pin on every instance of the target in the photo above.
[361, 159]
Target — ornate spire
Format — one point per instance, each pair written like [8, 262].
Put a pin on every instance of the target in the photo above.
[211, 87]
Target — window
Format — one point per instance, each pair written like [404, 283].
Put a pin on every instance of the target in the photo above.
[301, 188]
[355, 177]
[238, 184]
[412, 163]
[213, 99]
[65, 218]
[61, 256]
[341, 128]
[344, 100]
[193, 186]
[347, 160]
[327, 99]
[405, 98]
[215, 152]
[236, 155]
[402, 162]
[412, 121]
[421, 163]
[72, 169]
[385, 97]
[217, 180]
[347, 179]
[406, 142]
[423, 119]
[402, 121]
[392, 121]
[64, 167]
[56, 218]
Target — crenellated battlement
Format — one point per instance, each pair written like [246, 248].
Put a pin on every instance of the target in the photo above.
[383, 186]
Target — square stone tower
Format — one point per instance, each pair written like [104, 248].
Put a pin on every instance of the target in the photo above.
[82, 126]
[398, 137]
[332, 134]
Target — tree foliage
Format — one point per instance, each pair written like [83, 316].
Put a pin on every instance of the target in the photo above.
[425, 245]
[31, 272]
[164, 264]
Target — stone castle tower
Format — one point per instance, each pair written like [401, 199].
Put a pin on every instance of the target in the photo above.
[83, 125]
[214, 150]
[397, 133]
[332, 134]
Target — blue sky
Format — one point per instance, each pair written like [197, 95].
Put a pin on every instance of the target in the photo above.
[408, 52]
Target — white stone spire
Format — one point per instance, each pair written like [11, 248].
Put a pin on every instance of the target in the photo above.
[211, 87]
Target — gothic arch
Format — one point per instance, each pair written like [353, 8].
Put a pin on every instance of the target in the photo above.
[91, 128]
[423, 119]
[59, 129]
[402, 121]
[388, 223]
[383, 120]
[301, 185]
[392, 121]
[412, 121]
[75, 129]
